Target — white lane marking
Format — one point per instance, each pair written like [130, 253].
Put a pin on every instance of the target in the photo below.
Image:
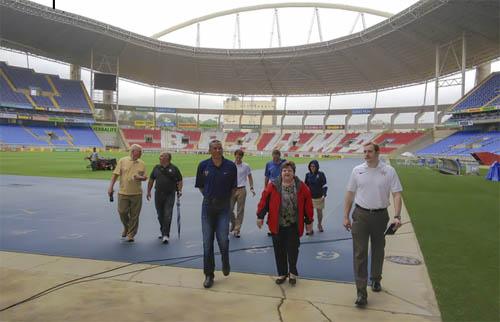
[22, 232]
[327, 255]
[71, 236]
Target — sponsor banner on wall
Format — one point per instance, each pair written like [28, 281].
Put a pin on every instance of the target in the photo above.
[8, 116]
[479, 109]
[251, 112]
[250, 126]
[170, 110]
[104, 128]
[66, 150]
[44, 118]
[465, 123]
[187, 125]
[143, 109]
[294, 112]
[24, 117]
[314, 127]
[56, 119]
[208, 126]
[165, 124]
[317, 112]
[144, 123]
[362, 111]
[335, 127]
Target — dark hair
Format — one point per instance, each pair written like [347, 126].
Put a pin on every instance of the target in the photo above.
[276, 151]
[239, 152]
[290, 164]
[376, 147]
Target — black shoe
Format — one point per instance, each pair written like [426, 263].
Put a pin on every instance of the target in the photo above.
[209, 281]
[361, 299]
[226, 269]
[280, 280]
[376, 287]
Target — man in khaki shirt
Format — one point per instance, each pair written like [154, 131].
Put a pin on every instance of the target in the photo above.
[132, 172]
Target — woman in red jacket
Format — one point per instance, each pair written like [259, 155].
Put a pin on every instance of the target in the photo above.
[288, 203]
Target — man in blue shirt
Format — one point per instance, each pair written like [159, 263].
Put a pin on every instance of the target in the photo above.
[273, 167]
[273, 170]
[216, 178]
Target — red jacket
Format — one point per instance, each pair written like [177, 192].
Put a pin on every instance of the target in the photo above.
[270, 203]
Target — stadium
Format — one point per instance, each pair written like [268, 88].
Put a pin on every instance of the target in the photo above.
[422, 83]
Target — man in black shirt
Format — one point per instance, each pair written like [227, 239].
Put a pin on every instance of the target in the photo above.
[168, 181]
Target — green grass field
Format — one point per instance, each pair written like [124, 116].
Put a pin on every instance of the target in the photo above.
[456, 220]
[73, 165]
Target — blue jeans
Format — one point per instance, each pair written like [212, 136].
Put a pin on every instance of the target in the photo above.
[214, 223]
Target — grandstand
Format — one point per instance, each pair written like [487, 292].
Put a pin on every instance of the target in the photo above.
[44, 110]
[53, 112]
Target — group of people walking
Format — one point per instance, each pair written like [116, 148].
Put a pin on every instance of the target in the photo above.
[287, 201]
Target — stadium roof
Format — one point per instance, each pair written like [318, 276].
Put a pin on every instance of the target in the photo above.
[398, 51]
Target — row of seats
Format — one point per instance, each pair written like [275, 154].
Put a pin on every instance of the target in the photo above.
[332, 142]
[35, 135]
[463, 143]
[459, 144]
[16, 85]
[484, 94]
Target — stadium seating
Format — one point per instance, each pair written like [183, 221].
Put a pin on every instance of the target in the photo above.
[9, 98]
[15, 90]
[249, 141]
[148, 139]
[264, 140]
[207, 137]
[464, 143]
[49, 136]
[72, 95]
[400, 138]
[83, 136]
[233, 137]
[481, 94]
[43, 101]
[23, 78]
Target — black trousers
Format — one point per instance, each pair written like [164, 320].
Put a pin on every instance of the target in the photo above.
[286, 250]
[164, 204]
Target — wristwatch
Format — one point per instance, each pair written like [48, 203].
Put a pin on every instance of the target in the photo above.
[397, 217]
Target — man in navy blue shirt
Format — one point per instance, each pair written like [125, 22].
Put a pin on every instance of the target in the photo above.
[216, 178]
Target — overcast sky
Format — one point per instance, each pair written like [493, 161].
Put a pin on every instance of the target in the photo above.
[147, 17]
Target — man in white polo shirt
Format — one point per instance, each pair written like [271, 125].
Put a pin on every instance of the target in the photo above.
[239, 195]
[370, 186]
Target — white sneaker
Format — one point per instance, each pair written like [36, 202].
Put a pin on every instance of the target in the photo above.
[165, 239]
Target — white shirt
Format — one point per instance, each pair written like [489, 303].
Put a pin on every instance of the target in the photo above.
[243, 172]
[372, 186]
